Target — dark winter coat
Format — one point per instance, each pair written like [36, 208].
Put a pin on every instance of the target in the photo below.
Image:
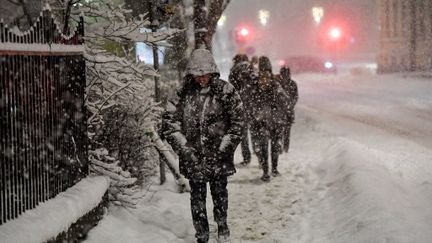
[290, 87]
[209, 121]
[270, 103]
[240, 77]
[205, 126]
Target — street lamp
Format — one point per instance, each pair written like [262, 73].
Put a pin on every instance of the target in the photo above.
[221, 21]
[317, 14]
[263, 16]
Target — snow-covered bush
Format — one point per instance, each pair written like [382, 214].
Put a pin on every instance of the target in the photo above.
[119, 95]
[126, 136]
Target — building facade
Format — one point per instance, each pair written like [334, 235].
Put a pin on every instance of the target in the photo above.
[405, 35]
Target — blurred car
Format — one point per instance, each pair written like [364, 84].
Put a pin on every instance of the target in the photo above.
[303, 64]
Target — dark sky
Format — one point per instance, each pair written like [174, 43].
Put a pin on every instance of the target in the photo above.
[291, 30]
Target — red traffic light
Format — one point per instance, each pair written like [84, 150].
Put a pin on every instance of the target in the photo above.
[335, 33]
[242, 34]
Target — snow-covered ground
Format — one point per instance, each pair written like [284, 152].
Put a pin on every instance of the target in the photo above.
[359, 170]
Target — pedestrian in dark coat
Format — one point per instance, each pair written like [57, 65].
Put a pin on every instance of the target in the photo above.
[270, 102]
[254, 64]
[204, 128]
[240, 78]
[290, 86]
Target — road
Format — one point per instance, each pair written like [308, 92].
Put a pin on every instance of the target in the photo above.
[397, 104]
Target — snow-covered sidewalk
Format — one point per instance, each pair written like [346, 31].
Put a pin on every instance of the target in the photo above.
[258, 212]
[366, 179]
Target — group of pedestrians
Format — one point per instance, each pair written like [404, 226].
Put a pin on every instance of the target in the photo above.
[268, 102]
[210, 117]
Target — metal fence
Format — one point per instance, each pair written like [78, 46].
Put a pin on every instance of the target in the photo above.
[43, 122]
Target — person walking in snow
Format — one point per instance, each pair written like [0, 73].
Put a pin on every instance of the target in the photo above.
[269, 104]
[290, 86]
[254, 64]
[204, 127]
[251, 89]
[240, 78]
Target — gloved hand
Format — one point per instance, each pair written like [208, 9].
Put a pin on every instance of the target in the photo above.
[220, 155]
[189, 154]
[212, 164]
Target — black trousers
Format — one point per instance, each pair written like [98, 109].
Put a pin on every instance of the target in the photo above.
[286, 138]
[245, 145]
[219, 192]
[260, 136]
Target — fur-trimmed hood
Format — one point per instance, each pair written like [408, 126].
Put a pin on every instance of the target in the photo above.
[201, 63]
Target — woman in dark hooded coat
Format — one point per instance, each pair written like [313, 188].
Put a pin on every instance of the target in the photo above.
[204, 127]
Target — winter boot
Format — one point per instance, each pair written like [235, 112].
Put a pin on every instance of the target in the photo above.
[275, 172]
[223, 233]
[223, 239]
[275, 158]
[265, 167]
[265, 177]
[244, 163]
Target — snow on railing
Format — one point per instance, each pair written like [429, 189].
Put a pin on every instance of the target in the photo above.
[41, 48]
[45, 31]
[55, 216]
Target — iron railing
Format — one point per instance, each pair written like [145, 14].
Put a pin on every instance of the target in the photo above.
[43, 141]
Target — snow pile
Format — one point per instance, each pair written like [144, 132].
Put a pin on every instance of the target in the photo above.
[56, 215]
[122, 191]
[365, 202]
[163, 215]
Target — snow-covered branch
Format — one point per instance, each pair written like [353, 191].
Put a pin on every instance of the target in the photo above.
[119, 96]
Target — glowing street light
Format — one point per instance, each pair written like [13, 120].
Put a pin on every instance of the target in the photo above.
[221, 21]
[318, 14]
[263, 16]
